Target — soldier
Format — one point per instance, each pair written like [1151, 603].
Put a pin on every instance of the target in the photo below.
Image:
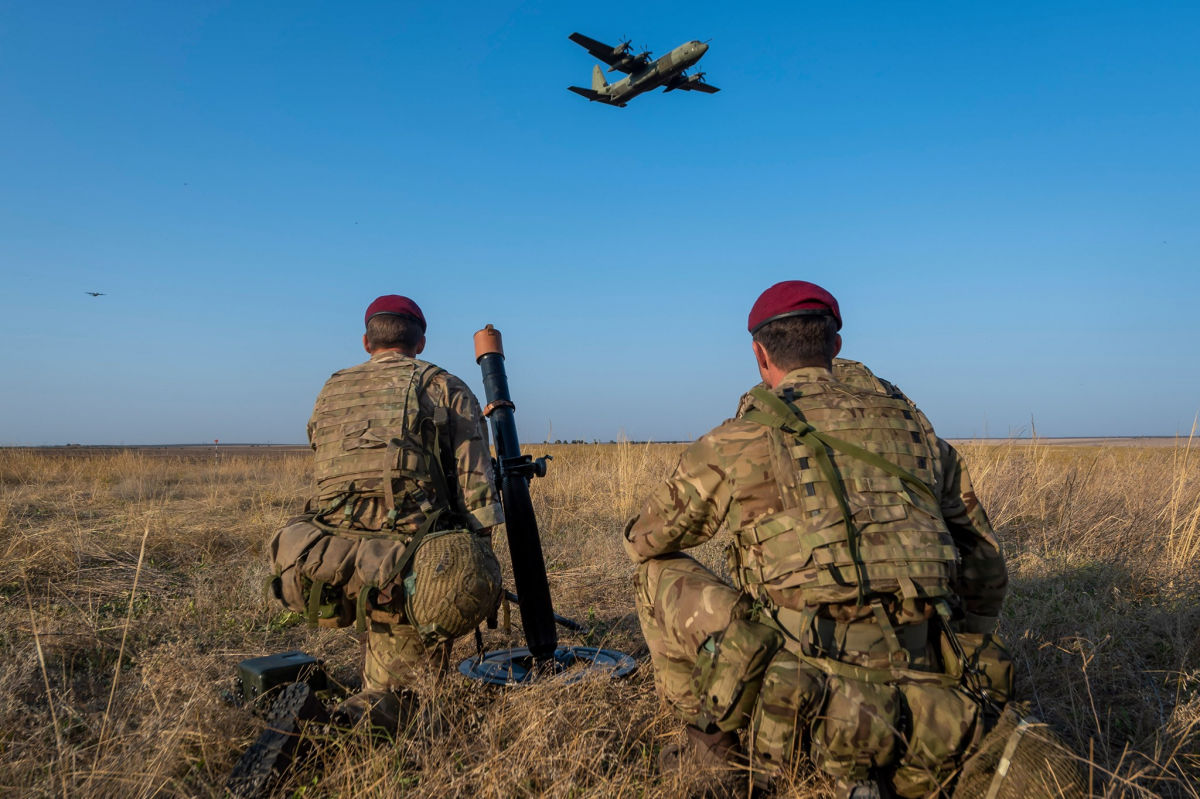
[402, 459]
[857, 544]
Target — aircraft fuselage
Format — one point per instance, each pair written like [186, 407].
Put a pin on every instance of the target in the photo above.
[658, 73]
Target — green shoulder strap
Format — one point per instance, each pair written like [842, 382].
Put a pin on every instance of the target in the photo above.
[782, 416]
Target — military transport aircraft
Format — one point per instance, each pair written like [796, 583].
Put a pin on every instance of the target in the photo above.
[644, 74]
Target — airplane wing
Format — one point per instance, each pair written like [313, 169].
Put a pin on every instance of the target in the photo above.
[602, 51]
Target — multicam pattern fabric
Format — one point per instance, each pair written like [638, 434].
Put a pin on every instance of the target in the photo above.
[847, 725]
[392, 396]
[790, 556]
[381, 415]
[680, 604]
[395, 657]
[739, 474]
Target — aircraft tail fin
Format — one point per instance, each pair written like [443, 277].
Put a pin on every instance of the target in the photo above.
[598, 81]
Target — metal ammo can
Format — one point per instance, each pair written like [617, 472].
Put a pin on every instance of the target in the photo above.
[258, 676]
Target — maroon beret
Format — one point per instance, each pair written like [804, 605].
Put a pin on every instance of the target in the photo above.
[792, 298]
[395, 305]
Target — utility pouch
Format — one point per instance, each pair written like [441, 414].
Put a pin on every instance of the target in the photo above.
[729, 670]
[942, 727]
[791, 694]
[311, 569]
[988, 667]
[286, 551]
[856, 730]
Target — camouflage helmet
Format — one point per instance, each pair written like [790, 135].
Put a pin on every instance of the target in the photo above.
[453, 586]
[1021, 759]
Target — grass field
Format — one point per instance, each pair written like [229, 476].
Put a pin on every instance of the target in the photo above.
[133, 585]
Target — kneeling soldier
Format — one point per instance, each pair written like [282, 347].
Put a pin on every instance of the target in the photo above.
[397, 537]
[861, 562]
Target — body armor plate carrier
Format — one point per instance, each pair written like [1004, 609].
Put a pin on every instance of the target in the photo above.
[858, 471]
[426, 567]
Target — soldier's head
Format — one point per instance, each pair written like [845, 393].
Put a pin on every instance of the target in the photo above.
[794, 324]
[394, 323]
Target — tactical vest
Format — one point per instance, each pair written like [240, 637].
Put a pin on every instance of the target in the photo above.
[855, 374]
[427, 568]
[858, 468]
[852, 373]
[372, 438]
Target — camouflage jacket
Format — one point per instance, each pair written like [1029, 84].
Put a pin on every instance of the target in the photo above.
[464, 442]
[728, 477]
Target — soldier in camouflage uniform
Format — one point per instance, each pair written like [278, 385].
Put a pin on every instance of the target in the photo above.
[356, 419]
[856, 535]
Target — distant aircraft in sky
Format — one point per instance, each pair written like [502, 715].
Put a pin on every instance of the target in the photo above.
[95, 293]
[644, 74]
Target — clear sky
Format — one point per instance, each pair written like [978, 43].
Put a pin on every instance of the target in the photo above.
[1003, 196]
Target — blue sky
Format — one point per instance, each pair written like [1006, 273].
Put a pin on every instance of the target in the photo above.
[1003, 197]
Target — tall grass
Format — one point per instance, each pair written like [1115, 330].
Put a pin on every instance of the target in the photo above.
[133, 585]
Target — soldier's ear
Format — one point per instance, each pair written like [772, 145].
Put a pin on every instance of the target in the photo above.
[366, 346]
[420, 346]
[837, 344]
[760, 356]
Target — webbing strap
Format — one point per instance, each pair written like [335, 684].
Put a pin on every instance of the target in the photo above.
[970, 677]
[1010, 749]
[389, 494]
[848, 671]
[360, 608]
[434, 459]
[314, 601]
[896, 653]
[338, 502]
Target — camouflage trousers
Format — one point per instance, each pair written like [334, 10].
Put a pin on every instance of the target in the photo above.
[680, 604]
[395, 658]
[847, 719]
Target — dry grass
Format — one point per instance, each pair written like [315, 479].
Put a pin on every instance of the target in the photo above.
[112, 691]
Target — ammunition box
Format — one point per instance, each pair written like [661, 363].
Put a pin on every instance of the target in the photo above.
[258, 676]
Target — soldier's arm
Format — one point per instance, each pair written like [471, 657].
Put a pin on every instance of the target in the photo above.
[982, 576]
[472, 456]
[686, 510]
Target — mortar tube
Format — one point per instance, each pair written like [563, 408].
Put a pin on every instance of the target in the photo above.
[524, 543]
